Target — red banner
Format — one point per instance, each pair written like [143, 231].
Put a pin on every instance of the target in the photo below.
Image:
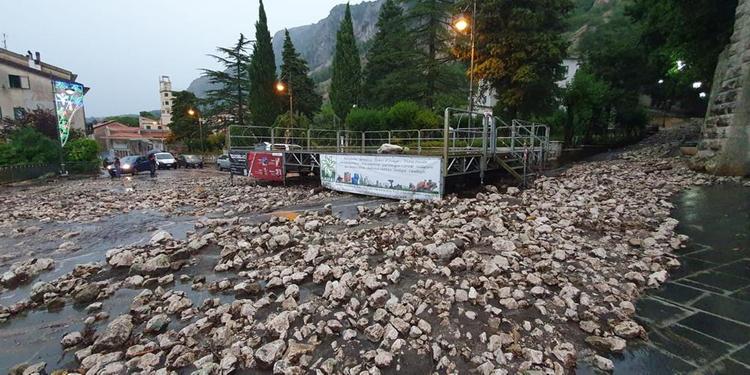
[266, 166]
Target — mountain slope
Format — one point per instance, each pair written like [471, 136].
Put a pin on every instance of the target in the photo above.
[316, 43]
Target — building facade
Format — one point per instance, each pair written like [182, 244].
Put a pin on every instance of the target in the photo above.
[26, 84]
[117, 139]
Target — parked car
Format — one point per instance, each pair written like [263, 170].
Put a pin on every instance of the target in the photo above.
[189, 161]
[130, 165]
[165, 160]
[223, 163]
[266, 146]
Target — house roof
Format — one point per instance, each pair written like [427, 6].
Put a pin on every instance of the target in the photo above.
[117, 130]
[46, 70]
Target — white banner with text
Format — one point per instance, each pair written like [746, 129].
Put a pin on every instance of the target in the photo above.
[388, 176]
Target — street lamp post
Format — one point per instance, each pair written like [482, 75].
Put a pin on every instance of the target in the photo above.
[461, 24]
[281, 87]
[191, 112]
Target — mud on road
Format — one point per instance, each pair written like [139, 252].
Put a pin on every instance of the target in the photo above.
[199, 275]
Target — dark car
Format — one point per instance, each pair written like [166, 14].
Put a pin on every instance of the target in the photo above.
[131, 165]
[189, 161]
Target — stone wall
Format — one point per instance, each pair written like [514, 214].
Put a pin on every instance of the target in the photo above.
[725, 145]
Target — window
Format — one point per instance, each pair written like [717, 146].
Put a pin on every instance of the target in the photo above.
[148, 127]
[166, 94]
[160, 127]
[18, 82]
[18, 112]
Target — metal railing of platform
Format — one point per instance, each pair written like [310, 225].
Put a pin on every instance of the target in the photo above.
[469, 142]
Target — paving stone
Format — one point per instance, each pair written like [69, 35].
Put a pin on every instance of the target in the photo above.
[659, 313]
[704, 287]
[689, 266]
[725, 306]
[717, 256]
[743, 294]
[646, 359]
[743, 355]
[728, 367]
[739, 269]
[720, 280]
[678, 293]
[688, 344]
[717, 327]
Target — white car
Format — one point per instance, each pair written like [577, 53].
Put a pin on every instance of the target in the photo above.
[165, 160]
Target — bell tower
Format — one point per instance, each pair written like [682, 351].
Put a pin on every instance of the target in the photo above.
[166, 98]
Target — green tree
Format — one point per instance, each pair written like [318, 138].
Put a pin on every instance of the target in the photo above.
[42, 120]
[184, 126]
[295, 72]
[347, 75]
[392, 72]
[613, 55]
[264, 105]
[693, 31]
[520, 51]
[327, 119]
[429, 20]
[585, 100]
[148, 115]
[232, 82]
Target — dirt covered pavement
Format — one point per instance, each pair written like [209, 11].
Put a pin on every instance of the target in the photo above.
[503, 282]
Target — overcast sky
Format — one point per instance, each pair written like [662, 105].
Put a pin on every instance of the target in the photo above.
[119, 48]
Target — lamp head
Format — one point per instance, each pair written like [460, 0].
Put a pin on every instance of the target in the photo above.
[461, 24]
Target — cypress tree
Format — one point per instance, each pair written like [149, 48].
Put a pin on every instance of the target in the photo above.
[392, 73]
[295, 72]
[346, 81]
[432, 38]
[264, 103]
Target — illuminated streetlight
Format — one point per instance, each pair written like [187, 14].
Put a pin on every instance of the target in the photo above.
[697, 85]
[191, 112]
[702, 95]
[661, 81]
[680, 65]
[280, 87]
[461, 24]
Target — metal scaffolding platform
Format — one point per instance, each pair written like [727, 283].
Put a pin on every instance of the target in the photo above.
[468, 144]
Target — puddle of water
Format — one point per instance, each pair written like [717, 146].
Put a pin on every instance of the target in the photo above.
[94, 240]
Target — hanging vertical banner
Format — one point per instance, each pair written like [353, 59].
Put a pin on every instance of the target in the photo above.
[266, 166]
[68, 100]
[388, 176]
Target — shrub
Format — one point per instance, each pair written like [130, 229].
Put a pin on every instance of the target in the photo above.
[82, 149]
[362, 119]
[426, 120]
[27, 145]
[402, 115]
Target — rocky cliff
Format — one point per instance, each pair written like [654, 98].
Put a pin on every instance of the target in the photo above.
[317, 42]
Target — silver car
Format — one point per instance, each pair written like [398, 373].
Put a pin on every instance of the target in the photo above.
[223, 163]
